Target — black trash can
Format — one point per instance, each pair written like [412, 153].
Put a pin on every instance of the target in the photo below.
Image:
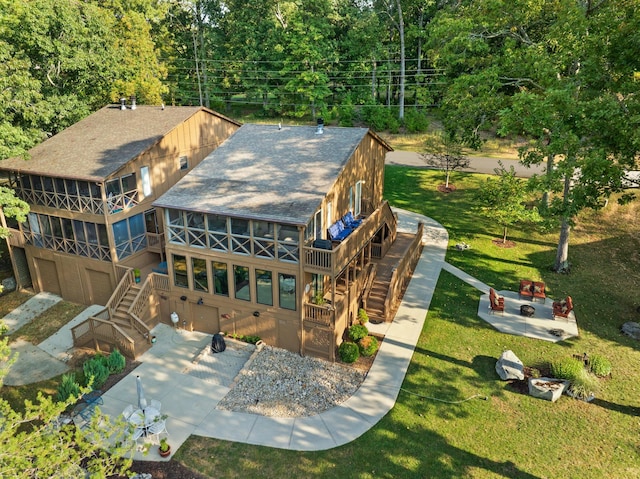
[217, 343]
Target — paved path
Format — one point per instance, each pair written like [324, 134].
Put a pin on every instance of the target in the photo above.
[170, 372]
[478, 164]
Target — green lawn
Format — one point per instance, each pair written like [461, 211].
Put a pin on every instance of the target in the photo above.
[510, 434]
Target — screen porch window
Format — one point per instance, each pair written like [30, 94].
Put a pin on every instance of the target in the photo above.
[175, 227]
[130, 236]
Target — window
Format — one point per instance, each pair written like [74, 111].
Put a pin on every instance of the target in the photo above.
[357, 207]
[287, 289]
[199, 272]
[183, 161]
[175, 227]
[130, 235]
[195, 230]
[217, 228]
[220, 279]
[180, 271]
[241, 282]
[240, 238]
[264, 287]
[146, 181]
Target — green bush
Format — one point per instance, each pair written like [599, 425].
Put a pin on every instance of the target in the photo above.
[584, 384]
[116, 362]
[379, 117]
[96, 371]
[348, 352]
[357, 332]
[363, 317]
[368, 346]
[567, 368]
[415, 121]
[600, 366]
[68, 388]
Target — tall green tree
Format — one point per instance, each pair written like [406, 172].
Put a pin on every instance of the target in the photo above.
[549, 71]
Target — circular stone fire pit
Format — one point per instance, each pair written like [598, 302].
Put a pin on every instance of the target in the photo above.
[527, 310]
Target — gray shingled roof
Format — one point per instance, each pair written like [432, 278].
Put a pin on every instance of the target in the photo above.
[102, 143]
[262, 172]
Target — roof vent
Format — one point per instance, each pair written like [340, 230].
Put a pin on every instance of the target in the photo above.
[123, 103]
[133, 102]
[320, 127]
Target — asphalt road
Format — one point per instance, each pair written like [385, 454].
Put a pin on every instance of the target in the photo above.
[478, 164]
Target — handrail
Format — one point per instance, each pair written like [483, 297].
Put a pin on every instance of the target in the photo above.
[127, 279]
[372, 269]
[106, 330]
[406, 264]
[333, 261]
[140, 302]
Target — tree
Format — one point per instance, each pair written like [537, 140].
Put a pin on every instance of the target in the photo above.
[502, 200]
[35, 445]
[11, 207]
[554, 72]
[445, 154]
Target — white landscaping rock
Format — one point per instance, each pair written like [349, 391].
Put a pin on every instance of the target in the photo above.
[509, 366]
[547, 388]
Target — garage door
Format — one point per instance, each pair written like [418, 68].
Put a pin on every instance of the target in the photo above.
[48, 276]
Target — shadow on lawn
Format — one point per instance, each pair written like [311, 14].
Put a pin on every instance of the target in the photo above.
[628, 410]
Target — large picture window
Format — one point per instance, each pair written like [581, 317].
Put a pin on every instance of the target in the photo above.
[241, 282]
[220, 279]
[200, 278]
[264, 287]
[180, 271]
[287, 288]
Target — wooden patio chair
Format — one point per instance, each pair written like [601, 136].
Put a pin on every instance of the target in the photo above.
[496, 302]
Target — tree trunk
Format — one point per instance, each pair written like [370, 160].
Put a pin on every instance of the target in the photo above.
[562, 254]
[446, 182]
[504, 235]
[402, 60]
[373, 83]
[550, 165]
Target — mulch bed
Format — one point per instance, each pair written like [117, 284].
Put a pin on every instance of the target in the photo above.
[444, 189]
[503, 244]
[522, 386]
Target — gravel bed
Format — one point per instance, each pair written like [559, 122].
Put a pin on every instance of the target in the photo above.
[278, 383]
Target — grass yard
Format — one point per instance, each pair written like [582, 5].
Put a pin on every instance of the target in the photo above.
[510, 434]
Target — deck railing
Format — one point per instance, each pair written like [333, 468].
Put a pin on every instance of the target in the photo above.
[138, 306]
[155, 242]
[99, 329]
[402, 273]
[333, 261]
[126, 280]
[16, 238]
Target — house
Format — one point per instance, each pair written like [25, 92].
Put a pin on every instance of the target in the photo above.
[247, 235]
[90, 189]
[235, 228]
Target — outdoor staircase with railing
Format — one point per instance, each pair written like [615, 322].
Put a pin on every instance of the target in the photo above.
[116, 326]
[375, 301]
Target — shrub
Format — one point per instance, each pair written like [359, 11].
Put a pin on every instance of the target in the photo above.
[415, 121]
[600, 366]
[357, 332]
[379, 118]
[116, 362]
[368, 346]
[68, 388]
[584, 384]
[567, 368]
[348, 352]
[96, 371]
[363, 317]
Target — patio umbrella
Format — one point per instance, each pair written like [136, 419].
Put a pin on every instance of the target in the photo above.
[142, 402]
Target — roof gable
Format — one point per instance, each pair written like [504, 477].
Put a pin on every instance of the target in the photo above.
[102, 143]
[267, 172]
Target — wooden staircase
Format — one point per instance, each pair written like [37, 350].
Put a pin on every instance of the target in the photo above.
[375, 302]
[122, 319]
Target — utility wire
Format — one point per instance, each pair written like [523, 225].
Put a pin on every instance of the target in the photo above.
[484, 398]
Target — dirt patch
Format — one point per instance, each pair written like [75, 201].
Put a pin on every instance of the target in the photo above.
[446, 189]
[503, 244]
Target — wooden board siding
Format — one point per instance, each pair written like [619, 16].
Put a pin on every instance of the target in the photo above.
[366, 165]
[75, 278]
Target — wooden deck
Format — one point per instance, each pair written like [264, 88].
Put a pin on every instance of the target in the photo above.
[385, 267]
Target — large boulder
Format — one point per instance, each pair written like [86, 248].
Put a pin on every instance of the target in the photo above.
[547, 388]
[509, 366]
[631, 329]
[8, 284]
